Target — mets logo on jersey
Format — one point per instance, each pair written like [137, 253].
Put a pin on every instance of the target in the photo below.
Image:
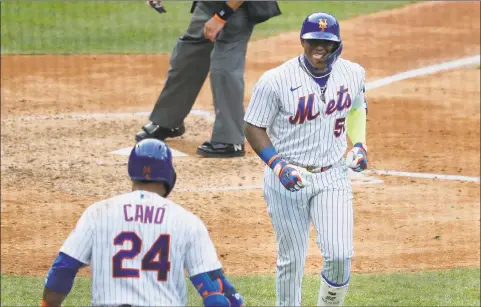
[343, 101]
[323, 24]
[304, 111]
[147, 171]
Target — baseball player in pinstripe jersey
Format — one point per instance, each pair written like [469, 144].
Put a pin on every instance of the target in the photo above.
[297, 121]
[139, 244]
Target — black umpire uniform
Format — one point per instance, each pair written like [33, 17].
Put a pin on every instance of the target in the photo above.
[191, 60]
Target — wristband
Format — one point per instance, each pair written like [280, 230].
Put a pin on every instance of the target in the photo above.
[361, 145]
[225, 12]
[269, 156]
[219, 19]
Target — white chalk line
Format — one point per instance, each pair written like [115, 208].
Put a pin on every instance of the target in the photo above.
[425, 175]
[126, 152]
[374, 181]
[424, 71]
[254, 187]
[209, 116]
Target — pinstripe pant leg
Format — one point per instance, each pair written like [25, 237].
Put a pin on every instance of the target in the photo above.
[331, 213]
[290, 220]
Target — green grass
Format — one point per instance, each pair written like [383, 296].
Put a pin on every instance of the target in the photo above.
[294, 12]
[72, 27]
[79, 27]
[457, 287]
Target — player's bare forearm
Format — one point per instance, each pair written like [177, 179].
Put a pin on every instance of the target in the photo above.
[234, 4]
[290, 177]
[51, 298]
[214, 25]
[257, 137]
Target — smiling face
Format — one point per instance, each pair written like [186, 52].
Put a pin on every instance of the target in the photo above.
[316, 51]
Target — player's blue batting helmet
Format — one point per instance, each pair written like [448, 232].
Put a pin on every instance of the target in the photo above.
[323, 26]
[151, 160]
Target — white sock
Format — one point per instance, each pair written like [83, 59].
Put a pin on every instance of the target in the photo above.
[330, 295]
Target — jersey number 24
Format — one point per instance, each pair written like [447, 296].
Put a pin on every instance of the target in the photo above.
[156, 258]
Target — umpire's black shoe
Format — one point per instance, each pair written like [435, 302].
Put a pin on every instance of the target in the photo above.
[220, 150]
[154, 131]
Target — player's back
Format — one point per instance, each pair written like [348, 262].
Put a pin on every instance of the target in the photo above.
[139, 253]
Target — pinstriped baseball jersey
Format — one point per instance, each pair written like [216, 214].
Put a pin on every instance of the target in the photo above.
[305, 121]
[139, 245]
[304, 129]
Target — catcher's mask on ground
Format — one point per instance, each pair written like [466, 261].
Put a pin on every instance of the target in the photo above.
[151, 161]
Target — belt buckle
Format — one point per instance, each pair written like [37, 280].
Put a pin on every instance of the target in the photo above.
[310, 168]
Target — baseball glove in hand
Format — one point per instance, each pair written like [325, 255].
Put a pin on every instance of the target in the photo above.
[293, 178]
[356, 159]
[156, 5]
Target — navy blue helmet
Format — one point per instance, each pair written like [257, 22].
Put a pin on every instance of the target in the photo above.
[151, 160]
[323, 26]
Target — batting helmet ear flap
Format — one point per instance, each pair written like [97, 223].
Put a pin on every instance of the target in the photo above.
[331, 58]
[170, 187]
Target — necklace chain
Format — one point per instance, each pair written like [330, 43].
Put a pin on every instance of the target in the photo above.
[323, 88]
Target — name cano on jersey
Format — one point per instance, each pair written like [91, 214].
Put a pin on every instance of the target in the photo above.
[144, 214]
[305, 110]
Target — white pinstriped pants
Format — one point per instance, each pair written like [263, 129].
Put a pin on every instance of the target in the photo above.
[327, 203]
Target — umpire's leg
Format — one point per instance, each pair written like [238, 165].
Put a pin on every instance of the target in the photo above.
[227, 78]
[189, 66]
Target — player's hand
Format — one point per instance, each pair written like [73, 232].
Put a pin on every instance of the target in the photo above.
[356, 158]
[293, 178]
[212, 28]
[156, 5]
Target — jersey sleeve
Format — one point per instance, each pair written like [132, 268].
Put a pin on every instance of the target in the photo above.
[264, 103]
[360, 101]
[80, 241]
[201, 254]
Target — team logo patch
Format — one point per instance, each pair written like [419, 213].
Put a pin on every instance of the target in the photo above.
[323, 24]
[147, 171]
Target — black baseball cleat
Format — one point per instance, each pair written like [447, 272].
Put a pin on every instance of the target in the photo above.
[220, 150]
[154, 131]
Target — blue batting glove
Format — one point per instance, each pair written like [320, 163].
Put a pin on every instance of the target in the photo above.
[356, 158]
[293, 178]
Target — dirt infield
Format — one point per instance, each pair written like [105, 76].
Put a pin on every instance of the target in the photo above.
[52, 169]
